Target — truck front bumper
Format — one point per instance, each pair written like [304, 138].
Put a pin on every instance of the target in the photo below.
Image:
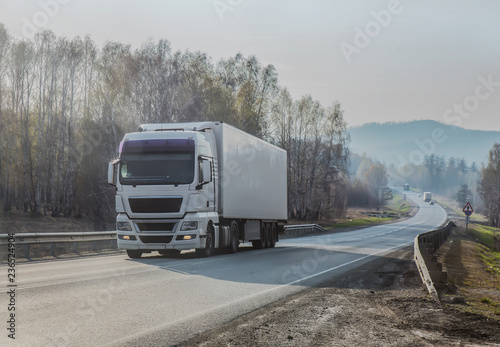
[158, 234]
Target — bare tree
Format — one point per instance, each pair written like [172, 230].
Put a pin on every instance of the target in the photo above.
[490, 186]
[316, 141]
[66, 104]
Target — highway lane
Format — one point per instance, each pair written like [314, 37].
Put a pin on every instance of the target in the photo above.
[115, 301]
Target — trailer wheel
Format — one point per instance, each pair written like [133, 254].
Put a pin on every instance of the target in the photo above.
[209, 246]
[267, 235]
[259, 244]
[274, 235]
[134, 253]
[235, 238]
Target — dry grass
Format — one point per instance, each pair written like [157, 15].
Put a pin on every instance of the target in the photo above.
[20, 222]
[471, 269]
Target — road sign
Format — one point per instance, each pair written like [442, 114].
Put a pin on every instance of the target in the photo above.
[468, 209]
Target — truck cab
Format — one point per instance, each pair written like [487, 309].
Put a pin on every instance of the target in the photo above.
[165, 190]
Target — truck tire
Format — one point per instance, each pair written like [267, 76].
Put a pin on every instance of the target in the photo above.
[235, 237]
[267, 235]
[259, 244]
[209, 248]
[134, 253]
[274, 235]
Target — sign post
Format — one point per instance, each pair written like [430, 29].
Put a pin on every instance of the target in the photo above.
[468, 211]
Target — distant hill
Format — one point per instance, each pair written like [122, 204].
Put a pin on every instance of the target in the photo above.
[399, 142]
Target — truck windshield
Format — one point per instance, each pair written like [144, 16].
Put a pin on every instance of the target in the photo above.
[148, 162]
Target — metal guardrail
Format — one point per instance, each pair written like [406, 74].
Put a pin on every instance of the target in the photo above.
[28, 239]
[430, 270]
[300, 229]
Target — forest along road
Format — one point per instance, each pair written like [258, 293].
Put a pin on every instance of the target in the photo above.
[156, 301]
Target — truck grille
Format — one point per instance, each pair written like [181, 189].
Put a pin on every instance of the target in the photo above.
[155, 226]
[155, 205]
[155, 239]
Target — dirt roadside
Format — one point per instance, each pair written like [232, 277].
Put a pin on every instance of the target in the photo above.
[383, 304]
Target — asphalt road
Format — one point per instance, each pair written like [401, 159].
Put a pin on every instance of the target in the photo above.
[156, 301]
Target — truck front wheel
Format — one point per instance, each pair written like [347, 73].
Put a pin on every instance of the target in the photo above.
[209, 245]
[134, 253]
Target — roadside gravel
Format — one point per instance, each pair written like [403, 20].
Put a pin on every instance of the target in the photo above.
[383, 304]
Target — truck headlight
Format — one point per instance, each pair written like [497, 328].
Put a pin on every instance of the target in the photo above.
[191, 225]
[123, 226]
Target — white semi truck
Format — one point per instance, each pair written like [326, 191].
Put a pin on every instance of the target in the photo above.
[201, 186]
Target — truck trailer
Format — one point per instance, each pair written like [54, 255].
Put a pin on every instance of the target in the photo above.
[202, 186]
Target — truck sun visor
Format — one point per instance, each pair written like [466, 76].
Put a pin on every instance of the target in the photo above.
[157, 146]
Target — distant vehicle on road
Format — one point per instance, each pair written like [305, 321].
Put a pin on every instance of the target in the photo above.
[406, 186]
[431, 203]
[427, 196]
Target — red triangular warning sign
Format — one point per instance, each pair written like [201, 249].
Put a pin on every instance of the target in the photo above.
[468, 208]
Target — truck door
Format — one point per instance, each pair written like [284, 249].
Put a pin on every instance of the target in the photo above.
[206, 181]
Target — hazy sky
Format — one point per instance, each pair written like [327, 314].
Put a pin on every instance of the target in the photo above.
[382, 60]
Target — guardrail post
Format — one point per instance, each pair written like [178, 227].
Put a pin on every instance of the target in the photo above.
[75, 247]
[53, 249]
[27, 251]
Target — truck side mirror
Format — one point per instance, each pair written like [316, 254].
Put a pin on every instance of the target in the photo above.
[113, 164]
[207, 171]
